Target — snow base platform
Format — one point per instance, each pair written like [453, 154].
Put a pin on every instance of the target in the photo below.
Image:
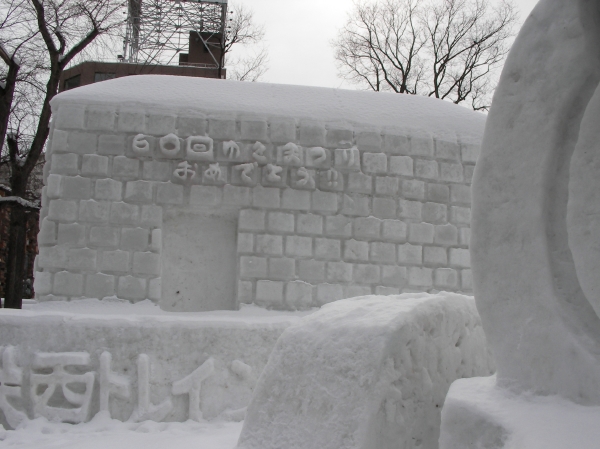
[479, 414]
[67, 361]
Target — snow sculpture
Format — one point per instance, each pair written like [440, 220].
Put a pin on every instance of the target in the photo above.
[59, 393]
[140, 145]
[220, 170]
[111, 383]
[526, 245]
[259, 153]
[290, 154]
[368, 372]
[246, 170]
[145, 410]
[214, 173]
[535, 227]
[305, 179]
[241, 370]
[317, 156]
[199, 148]
[231, 149]
[332, 177]
[170, 145]
[191, 385]
[185, 171]
[76, 405]
[273, 173]
[11, 381]
[348, 158]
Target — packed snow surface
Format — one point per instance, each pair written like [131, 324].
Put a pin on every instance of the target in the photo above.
[89, 308]
[479, 414]
[378, 109]
[105, 433]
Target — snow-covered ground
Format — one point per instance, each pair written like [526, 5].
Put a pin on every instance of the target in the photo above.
[105, 433]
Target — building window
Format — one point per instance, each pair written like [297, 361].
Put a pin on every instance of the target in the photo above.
[103, 76]
[73, 82]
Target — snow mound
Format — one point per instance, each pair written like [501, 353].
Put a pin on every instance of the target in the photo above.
[368, 372]
[377, 109]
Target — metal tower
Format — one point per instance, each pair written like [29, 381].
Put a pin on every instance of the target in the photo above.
[159, 31]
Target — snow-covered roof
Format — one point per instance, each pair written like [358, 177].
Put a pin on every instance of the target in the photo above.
[377, 109]
[18, 199]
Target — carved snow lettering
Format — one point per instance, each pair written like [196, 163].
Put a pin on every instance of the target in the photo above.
[241, 370]
[347, 159]
[169, 145]
[185, 171]
[304, 178]
[199, 148]
[140, 145]
[111, 383]
[273, 173]
[231, 149]
[11, 381]
[246, 170]
[259, 153]
[332, 177]
[348, 156]
[145, 409]
[318, 155]
[292, 154]
[44, 386]
[213, 172]
[191, 386]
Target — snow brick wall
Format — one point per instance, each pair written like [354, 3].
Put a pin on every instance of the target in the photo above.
[203, 194]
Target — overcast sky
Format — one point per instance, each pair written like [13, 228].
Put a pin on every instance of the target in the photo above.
[299, 33]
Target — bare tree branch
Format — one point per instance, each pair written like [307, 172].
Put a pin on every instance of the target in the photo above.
[249, 68]
[449, 49]
[380, 44]
[242, 31]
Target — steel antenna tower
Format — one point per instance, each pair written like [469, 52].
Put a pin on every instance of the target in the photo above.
[159, 30]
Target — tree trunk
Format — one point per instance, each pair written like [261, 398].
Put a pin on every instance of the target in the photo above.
[15, 265]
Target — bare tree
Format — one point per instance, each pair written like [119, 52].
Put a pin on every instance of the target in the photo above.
[38, 39]
[379, 46]
[241, 30]
[467, 40]
[448, 49]
[249, 68]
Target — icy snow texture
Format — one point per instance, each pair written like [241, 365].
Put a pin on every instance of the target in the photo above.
[368, 372]
[479, 414]
[529, 260]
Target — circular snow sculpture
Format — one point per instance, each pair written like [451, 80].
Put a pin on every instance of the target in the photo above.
[534, 247]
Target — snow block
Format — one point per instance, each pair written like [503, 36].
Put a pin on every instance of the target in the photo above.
[480, 414]
[369, 372]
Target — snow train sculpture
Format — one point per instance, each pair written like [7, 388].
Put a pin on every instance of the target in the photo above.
[202, 194]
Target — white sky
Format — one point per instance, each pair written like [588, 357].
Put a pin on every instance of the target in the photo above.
[298, 35]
